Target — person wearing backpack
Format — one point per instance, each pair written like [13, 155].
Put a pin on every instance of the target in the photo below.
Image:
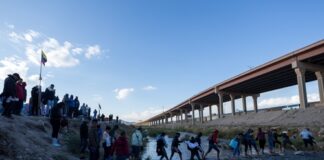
[213, 140]
[235, 144]
[161, 145]
[193, 147]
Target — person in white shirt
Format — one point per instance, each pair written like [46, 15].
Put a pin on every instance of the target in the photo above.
[137, 143]
[107, 145]
[307, 137]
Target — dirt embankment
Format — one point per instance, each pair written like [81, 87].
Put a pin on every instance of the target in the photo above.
[28, 138]
[310, 117]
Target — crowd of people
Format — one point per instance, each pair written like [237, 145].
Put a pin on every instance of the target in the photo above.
[114, 146]
[42, 103]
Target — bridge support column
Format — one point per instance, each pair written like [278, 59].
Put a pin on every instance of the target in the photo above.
[186, 115]
[320, 79]
[220, 106]
[233, 103]
[166, 119]
[244, 104]
[301, 87]
[181, 116]
[171, 117]
[210, 113]
[255, 102]
[201, 116]
[193, 113]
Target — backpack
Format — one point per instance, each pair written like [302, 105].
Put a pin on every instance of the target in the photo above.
[159, 146]
[160, 143]
[233, 143]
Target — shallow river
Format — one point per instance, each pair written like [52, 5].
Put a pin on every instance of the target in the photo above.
[150, 151]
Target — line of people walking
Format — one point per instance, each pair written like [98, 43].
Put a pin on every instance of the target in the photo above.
[247, 140]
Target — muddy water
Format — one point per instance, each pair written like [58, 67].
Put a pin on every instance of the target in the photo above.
[150, 152]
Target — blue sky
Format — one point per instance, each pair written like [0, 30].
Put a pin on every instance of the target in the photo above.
[136, 57]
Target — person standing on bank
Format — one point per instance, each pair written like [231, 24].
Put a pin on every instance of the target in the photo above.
[84, 135]
[56, 122]
[50, 97]
[9, 93]
[21, 95]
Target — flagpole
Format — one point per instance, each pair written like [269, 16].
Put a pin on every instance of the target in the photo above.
[40, 84]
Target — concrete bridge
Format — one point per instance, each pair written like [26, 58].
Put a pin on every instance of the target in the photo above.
[295, 68]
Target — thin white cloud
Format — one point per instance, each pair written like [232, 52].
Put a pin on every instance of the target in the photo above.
[34, 78]
[149, 88]
[10, 65]
[123, 93]
[77, 51]
[143, 115]
[15, 37]
[10, 26]
[281, 101]
[30, 35]
[50, 75]
[57, 55]
[93, 51]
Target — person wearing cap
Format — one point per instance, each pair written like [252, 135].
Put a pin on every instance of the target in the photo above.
[10, 94]
[137, 143]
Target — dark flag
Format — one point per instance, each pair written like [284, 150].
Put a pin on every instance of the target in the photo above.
[44, 58]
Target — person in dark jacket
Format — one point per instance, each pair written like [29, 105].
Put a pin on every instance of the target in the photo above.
[9, 94]
[261, 137]
[76, 107]
[121, 147]
[56, 122]
[94, 141]
[35, 104]
[49, 97]
[84, 135]
[175, 146]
